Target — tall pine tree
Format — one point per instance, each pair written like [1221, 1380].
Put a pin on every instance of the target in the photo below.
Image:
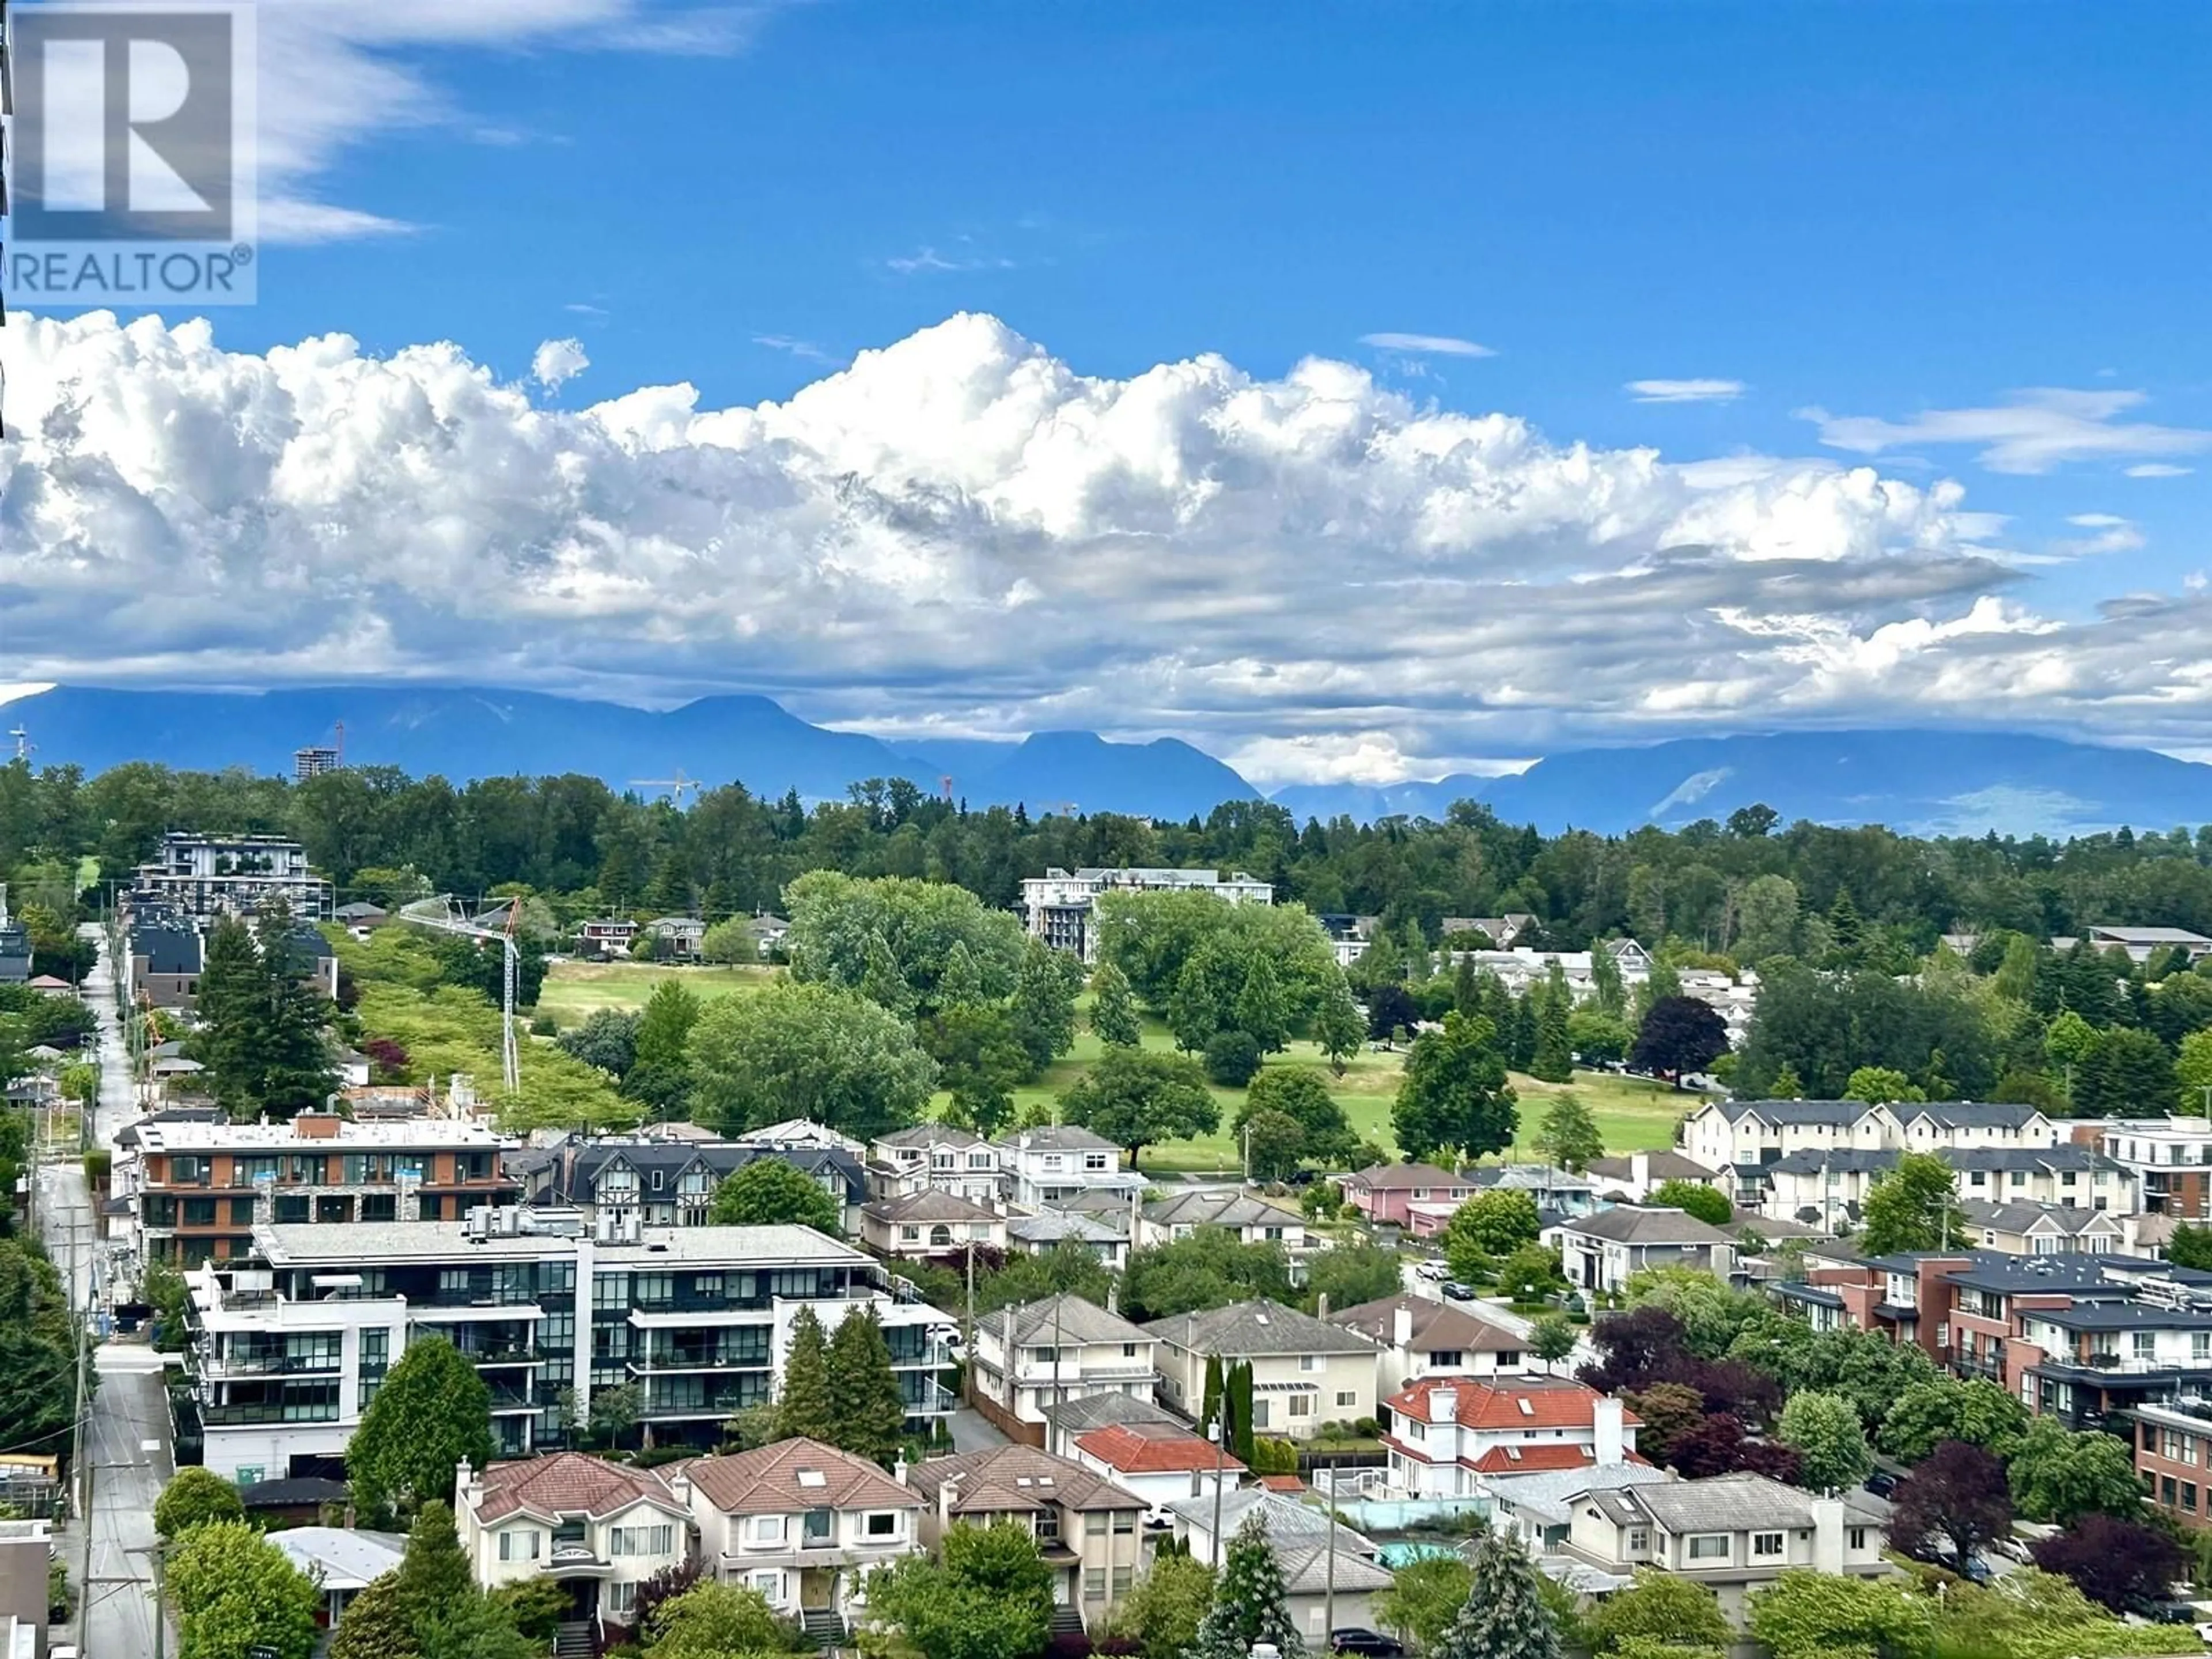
[869, 1411]
[1249, 1604]
[1114, 1009]
[804, 1408]
[1505, 1616]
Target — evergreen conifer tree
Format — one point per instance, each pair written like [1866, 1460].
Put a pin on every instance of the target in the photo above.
[433, 1573]
[1466, 989]
[1114, 1009]
[1249, 1604]
[1554, 1059]
[1043, 1006]
[868, 1410]
[1611, 995]
[1505, 1616]
[1339, 1028]
[803, 1406]
[1787, 1084]
[1263, 1013]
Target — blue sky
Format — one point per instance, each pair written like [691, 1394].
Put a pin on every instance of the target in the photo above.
[1859, 213]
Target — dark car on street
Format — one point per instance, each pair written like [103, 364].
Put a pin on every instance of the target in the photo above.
[1355, 1638]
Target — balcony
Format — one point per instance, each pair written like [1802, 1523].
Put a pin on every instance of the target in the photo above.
[512, 1397]
[272, 1364]
[261, 1411]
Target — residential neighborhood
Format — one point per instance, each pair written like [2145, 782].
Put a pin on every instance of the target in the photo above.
[802, 1360]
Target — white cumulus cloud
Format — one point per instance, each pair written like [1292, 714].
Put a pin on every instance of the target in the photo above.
[962, 532]
[556, 363]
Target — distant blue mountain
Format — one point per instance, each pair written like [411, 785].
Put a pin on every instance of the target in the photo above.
[465, 732]
[1919, 782]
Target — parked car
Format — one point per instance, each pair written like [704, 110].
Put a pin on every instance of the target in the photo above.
[1457, 1291]
[2013, 1550]
[1354, 1639]
[1882, 1483]
[1431, 1271]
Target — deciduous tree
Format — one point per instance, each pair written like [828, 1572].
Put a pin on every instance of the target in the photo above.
[1957, 1494]
[193, 1497]
[771, 1192]
[988, 1595]
[235, 1591]
[1568, 1135]
[1678, 1035]
[1696, 1199]
[2060, 1475]
[2122, 1564]
[1980, 1413]
[1137, 1098]
[1661, 1607]
[808, 1050]
[432, 1411]
[1113, 1009]
[1454, 1096]
[1913, 1207]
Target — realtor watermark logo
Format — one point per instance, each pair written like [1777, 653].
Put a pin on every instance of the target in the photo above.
[132, 156]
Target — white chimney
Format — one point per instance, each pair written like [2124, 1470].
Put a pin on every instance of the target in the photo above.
[1401, 1325]
[1444, 1406]
[1606, 1446]
[1639, 1172]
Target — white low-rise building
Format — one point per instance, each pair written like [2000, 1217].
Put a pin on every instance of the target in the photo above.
[291, 1351]
[1061, 906]
[1060, 1162]
[1421, 1336]
[1603, 1252]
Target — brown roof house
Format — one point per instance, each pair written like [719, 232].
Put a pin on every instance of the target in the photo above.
[1421, 1336]
[597, 1529]
[801, 1522]
[1089, 1529]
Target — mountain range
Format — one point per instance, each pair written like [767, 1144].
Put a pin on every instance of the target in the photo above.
[1920, 782]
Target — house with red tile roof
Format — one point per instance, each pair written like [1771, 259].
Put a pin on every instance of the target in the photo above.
[799, 1522]
[597, 1528]
[1447, 1433]
[1160, 1462]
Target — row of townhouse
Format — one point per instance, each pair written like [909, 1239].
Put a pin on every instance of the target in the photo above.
[1828, 1186]
[165, 951]
[1746, 1135]
[293, 1341]
[667, 1182]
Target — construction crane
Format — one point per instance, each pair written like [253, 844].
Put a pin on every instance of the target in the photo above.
[448, 917]
[23, 743]
[675, 785]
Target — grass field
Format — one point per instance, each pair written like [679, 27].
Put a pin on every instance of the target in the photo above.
[1633, 1114]
[574, 989]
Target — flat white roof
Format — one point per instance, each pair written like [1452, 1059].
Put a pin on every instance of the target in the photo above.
[352, 1136]
[356, 1242]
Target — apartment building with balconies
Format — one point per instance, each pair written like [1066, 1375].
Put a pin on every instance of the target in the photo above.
[198, 1189]
[2170, 1159]
[801, 1523]
[1744, 1136]
[207, 876]
[1061, 906]
[698, 1319]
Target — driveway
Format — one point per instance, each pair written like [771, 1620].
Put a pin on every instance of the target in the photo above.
[972, 1432]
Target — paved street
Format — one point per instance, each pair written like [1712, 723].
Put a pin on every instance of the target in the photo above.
[127, 1436]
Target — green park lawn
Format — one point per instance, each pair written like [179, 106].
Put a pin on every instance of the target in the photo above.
[573, 990]
[1633, 1114]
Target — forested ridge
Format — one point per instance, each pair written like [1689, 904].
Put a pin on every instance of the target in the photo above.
[1711, 886]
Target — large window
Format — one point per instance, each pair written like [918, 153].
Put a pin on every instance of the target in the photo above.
[519, 1544]
[1766, 1545]
[1709, 1547]
[645, 1540]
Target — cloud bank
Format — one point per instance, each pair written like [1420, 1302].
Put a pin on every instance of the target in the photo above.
[960, 533]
